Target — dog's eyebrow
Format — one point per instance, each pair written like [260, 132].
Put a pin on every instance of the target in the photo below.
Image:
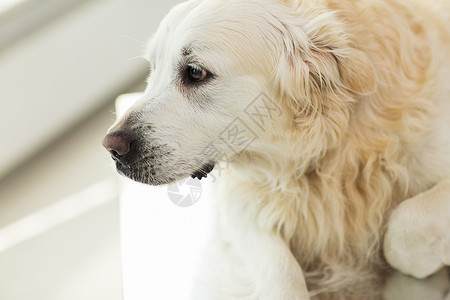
[186, 51]
[189, 55]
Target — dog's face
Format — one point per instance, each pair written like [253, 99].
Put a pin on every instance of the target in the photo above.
[210, 62]
[204, 75]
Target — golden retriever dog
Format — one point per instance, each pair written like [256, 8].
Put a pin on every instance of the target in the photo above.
[333, 117]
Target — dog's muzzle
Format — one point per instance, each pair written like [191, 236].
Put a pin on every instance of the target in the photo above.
[139, 164]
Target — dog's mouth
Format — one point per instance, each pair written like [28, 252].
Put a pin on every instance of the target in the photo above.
[203, 171]
[137, 174]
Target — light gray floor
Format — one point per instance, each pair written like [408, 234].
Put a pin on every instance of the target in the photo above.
[78, 257]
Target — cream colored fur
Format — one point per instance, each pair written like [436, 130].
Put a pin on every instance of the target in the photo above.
[355, 154]
[364, 89]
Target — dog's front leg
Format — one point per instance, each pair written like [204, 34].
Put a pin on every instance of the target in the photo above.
[276, 273]
[417, 241]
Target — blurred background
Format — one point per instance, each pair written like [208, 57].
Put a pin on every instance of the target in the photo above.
[69, 228]
[62, 64]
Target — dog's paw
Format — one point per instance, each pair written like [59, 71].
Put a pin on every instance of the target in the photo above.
[416, 243]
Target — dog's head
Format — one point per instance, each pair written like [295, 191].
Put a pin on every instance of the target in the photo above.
[234, 75]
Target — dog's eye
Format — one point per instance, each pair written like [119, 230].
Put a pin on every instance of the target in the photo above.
[196, 74]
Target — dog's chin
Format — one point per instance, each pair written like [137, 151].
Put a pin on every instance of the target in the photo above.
[144, 178]
[155, 179]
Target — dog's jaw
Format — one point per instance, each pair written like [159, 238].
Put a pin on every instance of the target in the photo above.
[136, 173]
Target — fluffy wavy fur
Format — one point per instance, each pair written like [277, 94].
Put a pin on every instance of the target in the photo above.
[362, 98]
[364, 91]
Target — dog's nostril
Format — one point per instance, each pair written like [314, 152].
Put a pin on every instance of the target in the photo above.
[118, 144]
[114, 154]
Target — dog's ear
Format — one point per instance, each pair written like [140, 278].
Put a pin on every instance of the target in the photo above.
[319, 71]
[357, 72]
[315, 41]
[325, 67]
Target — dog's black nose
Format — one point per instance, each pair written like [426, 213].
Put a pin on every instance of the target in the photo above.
[118, 144]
